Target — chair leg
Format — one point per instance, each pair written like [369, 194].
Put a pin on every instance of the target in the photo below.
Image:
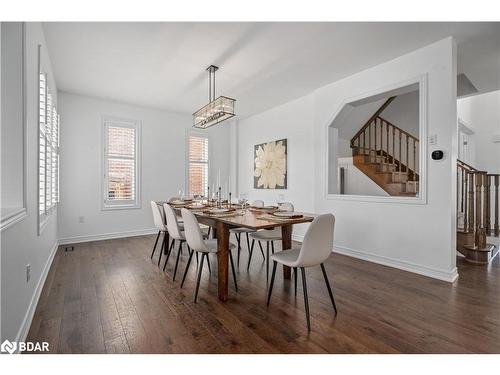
[295, 279]
[261, 250]
[161, 250]
[169, 252]
[197, 262]
[168, 256]
[187, 267]
[199, 277]
[238, 239]
[250, 254]
[329, 288]
[156, 242]
[272, 246]
[248, 242]
[177, 261]
[267, 260]
[208, 264]
[232, 268]
[306, 301]
[272, 282]
[208, 233]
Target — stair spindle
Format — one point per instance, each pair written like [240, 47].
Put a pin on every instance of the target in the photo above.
[393, 145]
[399, 165]
[470, 183]
[487, 207]
[496, 227]
[387, 139]
[414, 160]
[381, 131]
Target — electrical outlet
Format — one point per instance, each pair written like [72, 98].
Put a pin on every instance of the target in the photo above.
[28, 273]
[433, 139]
[81, 219]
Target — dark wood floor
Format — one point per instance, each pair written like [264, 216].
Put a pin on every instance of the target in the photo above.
[109, 297]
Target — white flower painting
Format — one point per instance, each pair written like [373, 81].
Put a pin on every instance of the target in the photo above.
[270, 169]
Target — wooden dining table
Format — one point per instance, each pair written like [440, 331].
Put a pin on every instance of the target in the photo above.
[251, 219]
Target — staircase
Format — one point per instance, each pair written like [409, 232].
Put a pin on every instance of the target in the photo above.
[387, 154]
[477, 204]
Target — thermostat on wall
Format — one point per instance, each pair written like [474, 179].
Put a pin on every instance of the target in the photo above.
[437, 155]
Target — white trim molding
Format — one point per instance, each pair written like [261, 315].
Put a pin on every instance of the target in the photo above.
[28, 318]
[107, 236]
[448, 276]
[421, 80]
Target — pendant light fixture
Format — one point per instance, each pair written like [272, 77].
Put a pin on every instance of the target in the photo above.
[217, 110]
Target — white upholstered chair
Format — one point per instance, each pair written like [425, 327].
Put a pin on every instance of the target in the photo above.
[239, 231]
[269, 236]
[198, 244]
[176, 234]
[315, 250]
[160, 223]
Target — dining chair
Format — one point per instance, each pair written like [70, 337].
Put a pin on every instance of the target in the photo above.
[198, 244]
[159, 221]
[239, 231]
[315, 250]
[175, 233]
[269, 236]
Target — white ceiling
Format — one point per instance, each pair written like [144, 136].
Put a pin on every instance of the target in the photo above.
[162, 65]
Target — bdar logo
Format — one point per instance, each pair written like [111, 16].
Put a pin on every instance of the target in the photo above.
[8, 347]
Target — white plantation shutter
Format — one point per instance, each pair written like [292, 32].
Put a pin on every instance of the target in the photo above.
[41, 148]
[48, 151]
[120, 164]
[198, 165]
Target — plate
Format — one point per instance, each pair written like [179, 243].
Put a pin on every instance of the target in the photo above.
[285, 214]
[218, 210]
[177, 202]
[196, 205]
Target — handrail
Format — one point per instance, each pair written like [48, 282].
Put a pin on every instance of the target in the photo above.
[374, 116]
[399, 129]
[464, 165]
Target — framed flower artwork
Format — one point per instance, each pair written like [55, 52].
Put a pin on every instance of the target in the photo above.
[270, 165]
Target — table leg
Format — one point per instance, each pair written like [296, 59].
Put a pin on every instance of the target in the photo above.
[222, 257]
[286, 243]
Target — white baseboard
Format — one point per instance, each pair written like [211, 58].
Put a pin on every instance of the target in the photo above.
[450, 276]
[28, 318]
[107, 236]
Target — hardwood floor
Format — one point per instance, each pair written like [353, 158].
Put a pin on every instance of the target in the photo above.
[110, 297]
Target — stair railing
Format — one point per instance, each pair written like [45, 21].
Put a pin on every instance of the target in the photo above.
[475, 189]
[381, 137]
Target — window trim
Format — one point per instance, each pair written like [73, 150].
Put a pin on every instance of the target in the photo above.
[191, 132]
[120, 205]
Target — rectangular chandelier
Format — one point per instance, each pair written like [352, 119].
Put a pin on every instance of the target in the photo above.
[217, 110]
[214, 112]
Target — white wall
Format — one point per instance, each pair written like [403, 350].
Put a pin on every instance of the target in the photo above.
[20, 243]
[481, 114]
[289, 121]
[163, 169]
[403, 112]
[12, 139]
[356, 182]
[415, 237]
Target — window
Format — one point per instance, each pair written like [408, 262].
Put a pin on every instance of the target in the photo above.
[120, 165]
[198, 165]
[48, 157]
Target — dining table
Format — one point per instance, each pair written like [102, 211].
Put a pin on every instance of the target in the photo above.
[251, 218]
